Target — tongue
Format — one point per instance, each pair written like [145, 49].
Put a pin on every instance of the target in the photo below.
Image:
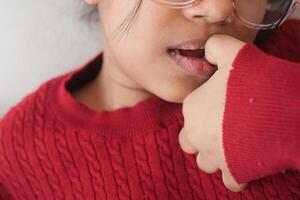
[192, 53]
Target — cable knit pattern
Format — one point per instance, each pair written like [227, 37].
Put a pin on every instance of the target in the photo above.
[68, 161]
[167, 164]
[53, 147]
[93, 163]
[14, 183]
[143, 168]
[117, 162]
[20, 151]
[41, 151]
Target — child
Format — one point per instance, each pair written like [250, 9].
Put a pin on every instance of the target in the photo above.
[109, 130]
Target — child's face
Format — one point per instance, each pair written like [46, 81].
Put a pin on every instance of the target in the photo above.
[140, 59]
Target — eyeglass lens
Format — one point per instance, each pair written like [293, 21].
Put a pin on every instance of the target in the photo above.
[264, 12]
[257, 12]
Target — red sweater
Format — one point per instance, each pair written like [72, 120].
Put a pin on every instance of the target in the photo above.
[53, 147]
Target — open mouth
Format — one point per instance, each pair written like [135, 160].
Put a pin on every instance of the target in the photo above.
[192, 61]
[198, 53]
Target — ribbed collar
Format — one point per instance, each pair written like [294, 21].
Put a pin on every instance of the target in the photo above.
[150, 114]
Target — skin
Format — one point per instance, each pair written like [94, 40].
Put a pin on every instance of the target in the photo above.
[138, 66]
[202, 105]
[132, 72]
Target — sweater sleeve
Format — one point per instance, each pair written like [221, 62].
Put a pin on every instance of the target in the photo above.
[261, 124]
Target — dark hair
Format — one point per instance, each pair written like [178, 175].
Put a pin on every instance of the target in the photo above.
[262, 36]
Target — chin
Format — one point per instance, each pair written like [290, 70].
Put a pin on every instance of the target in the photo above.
[176, 91]
[175, 95]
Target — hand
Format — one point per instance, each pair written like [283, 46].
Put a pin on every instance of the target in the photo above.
[203, 111]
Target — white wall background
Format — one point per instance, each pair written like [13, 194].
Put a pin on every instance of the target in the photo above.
[39, 40]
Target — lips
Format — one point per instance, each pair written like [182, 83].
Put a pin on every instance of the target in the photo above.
[189, 56]
[190, 48]
[190, 45]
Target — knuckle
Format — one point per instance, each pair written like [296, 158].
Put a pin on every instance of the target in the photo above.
[205, 165]
[190, 134]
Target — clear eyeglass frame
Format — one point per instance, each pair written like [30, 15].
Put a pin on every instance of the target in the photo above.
[189, 3]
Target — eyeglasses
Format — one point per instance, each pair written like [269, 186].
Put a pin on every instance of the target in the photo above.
[256, 14]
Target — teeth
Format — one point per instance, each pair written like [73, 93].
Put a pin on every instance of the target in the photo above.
[175, 51]
[188, 53]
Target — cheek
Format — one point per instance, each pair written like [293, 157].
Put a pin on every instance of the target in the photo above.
[157, 74]
[242, 33]
[113, 15]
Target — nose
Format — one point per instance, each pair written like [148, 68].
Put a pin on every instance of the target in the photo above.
[213, 11]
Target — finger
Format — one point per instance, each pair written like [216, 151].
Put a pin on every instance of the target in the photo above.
[185, 144]
[212, 46]
[231, 183]
[205, 164]
[221, 49]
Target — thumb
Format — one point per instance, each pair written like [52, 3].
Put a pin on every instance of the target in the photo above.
[221, 50]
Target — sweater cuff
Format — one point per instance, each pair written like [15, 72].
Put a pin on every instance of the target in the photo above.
[261, 126]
